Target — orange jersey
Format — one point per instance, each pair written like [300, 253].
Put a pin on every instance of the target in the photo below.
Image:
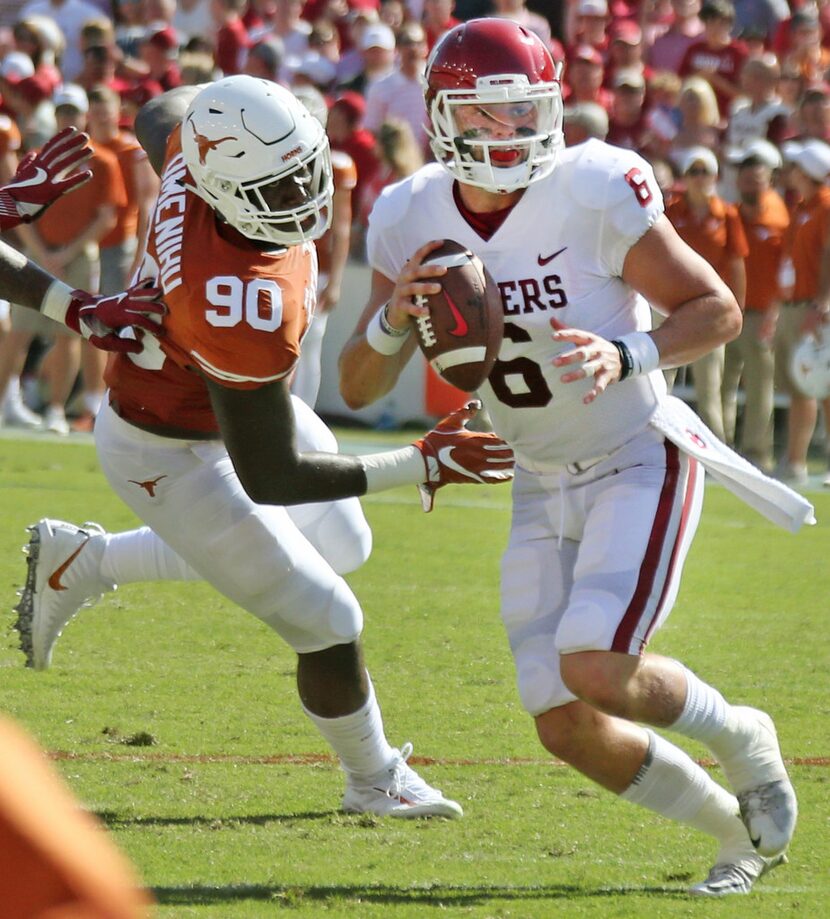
[718, 238]
[344, 177]
[70, 215]
[235, 314]
[128, 151]
[808, 231]
[765, 235]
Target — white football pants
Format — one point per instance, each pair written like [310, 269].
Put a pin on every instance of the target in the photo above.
[268, 560]
[594, 559]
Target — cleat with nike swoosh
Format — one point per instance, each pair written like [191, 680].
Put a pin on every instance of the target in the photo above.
[759, 779]
[397, 791]
[63, 575]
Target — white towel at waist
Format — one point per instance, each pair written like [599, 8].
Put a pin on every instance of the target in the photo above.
[773, 499]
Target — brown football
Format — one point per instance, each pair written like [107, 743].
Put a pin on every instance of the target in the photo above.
[463, 332]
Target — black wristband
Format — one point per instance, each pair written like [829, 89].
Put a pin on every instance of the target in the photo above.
[626, 360]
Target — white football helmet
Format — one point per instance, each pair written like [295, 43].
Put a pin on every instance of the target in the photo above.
[810, 366]
[259, 159]
[504, 73]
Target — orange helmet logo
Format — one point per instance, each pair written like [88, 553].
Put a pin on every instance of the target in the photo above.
[205, 144]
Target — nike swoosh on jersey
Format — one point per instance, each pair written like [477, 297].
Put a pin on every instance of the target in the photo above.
[461, 328]
[38, 179]
[57, 574]
[550, 258]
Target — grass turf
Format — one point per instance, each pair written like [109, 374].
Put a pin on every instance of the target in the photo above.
[173, 716]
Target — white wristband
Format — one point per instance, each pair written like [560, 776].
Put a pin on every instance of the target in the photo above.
[56, 301]
[382, 340]
[644, 353]
[396, 467]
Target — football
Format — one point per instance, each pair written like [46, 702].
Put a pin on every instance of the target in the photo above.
[462, 334]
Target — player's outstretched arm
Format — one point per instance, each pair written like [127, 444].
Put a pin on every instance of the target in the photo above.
[43, 177]
[257, 427]
[98, 319]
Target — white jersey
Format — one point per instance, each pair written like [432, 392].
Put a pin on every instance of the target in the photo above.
[559, 253]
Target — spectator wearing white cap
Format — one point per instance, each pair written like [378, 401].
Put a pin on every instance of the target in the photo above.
[69, 16]
[749, 359]
[806, 306]
[400, 94]
[713, 229]
[587, 24]
[377, 53]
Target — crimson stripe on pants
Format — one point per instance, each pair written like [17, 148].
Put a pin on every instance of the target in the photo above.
[655, 551]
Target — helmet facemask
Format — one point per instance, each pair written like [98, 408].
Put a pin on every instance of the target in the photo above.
[467, 124]
[265, 210]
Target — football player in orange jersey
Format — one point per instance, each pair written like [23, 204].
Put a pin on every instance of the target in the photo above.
[198, 435]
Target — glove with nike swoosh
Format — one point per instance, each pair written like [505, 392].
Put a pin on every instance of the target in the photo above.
[100, 319]
[454, 455]
[42, 178]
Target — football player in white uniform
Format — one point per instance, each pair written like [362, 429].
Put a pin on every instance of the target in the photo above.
[199, 436]
[604, 505]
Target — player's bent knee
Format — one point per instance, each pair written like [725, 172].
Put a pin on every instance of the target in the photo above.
[559, 730]
[594, 677]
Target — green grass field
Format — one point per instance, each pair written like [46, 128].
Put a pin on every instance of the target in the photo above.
[172, 715]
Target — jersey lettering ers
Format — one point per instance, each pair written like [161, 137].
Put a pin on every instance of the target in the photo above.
[236, 314]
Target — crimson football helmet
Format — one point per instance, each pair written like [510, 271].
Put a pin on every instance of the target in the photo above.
[259, 159]
[494, 100]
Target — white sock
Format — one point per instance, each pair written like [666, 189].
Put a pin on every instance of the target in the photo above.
[708, 718]
[92, 402]
[141, 555]
[672, 784]
[12, 396]
[358, 739]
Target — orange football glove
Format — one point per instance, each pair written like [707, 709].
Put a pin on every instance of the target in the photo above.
[454, 455]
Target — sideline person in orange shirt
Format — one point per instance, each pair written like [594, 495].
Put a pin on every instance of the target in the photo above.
[749, 358]
[806, 301]
[713, 229]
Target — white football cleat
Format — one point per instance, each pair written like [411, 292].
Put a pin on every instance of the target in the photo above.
[397, 791]
[736, 875]
[759, 779]
[54, 421]
[63, 576]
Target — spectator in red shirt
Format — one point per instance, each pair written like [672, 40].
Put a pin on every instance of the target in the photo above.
[346, 132]
[437, 19]
[232, 41]
[584, 78]
[159, 52]
[628, 126]
[718, 58]
[625, 51]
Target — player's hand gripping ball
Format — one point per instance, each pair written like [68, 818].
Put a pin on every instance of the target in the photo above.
[463, 332]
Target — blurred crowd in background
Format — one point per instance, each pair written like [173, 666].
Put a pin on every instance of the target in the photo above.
[728, 101]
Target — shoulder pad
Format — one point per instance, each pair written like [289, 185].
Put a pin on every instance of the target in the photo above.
[598, 178]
